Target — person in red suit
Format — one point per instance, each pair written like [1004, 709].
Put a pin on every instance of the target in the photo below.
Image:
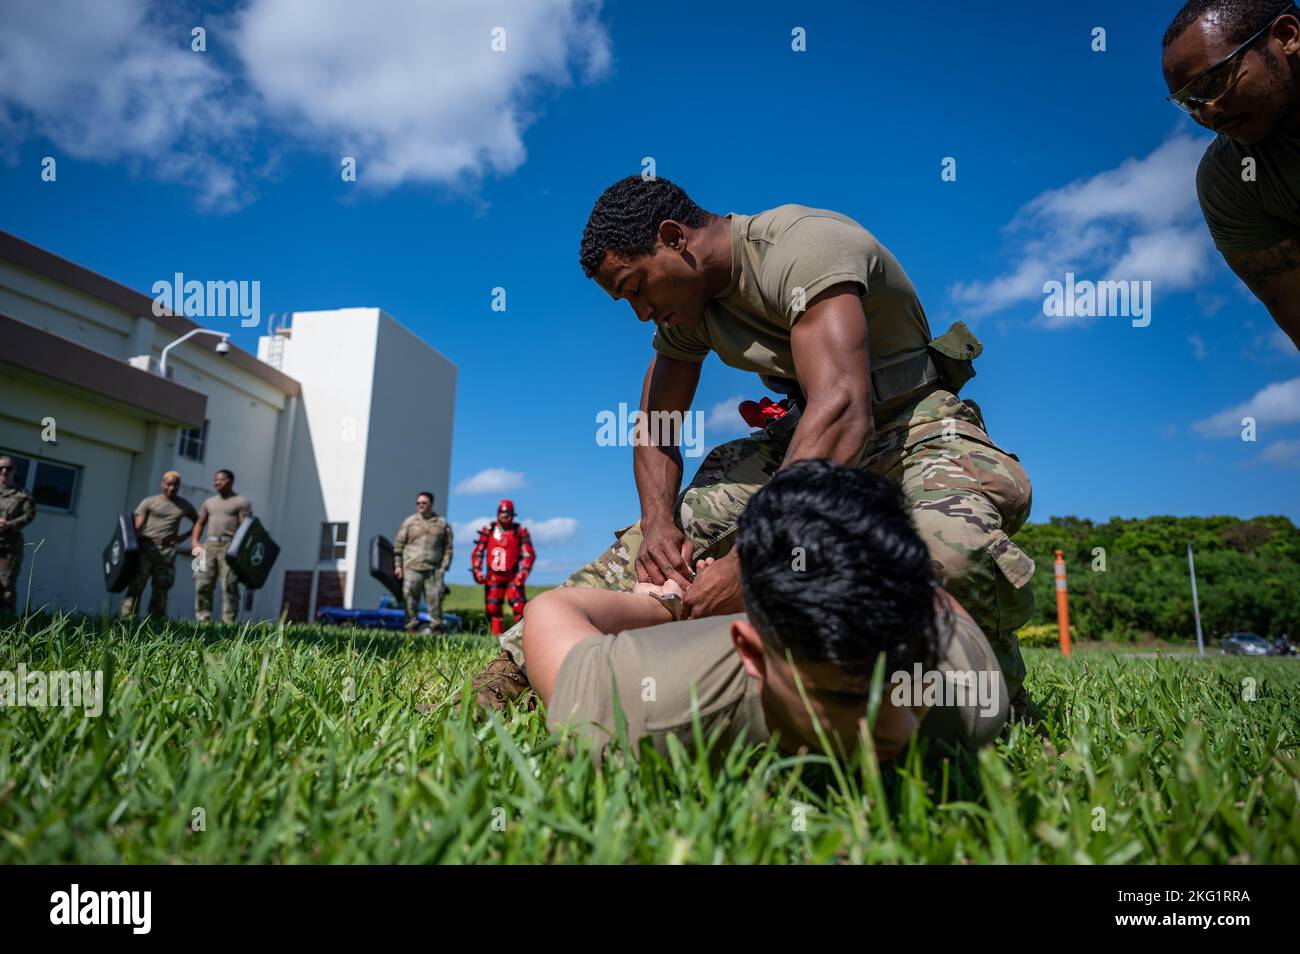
[509, 556]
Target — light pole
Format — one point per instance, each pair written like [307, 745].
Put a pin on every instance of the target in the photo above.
[1196, 603]
[223, 347]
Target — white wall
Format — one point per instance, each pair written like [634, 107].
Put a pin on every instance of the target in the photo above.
[409, 446]
[378, 405]
[65, 573]
[65, 311]
[331, 354]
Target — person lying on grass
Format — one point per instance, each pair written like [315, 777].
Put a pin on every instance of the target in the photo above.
[834, 577]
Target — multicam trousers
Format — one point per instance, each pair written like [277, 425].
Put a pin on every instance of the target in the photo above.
[211, 565]
[426, 583]
[967, 495]
[156, 565]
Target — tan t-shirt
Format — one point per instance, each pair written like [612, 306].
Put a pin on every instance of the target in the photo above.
[649, 675]
[162, 518]
[782, 259]
[225, 515]
[1246, 216]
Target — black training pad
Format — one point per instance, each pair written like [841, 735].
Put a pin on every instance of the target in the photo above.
[122, 554]
[381, 565]
[252, 553]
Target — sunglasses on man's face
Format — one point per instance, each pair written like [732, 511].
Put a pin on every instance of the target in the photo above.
[6, 468]
[1214, 82]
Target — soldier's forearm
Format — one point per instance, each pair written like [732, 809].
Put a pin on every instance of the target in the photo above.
[658, 472]
[832, 430]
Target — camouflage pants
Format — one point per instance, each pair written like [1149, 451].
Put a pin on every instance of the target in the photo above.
[11, 564]
[211, 565]
[967, 496]
[426, 583]
[158, 566]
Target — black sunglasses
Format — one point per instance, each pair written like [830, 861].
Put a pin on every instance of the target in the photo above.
[1214, 81]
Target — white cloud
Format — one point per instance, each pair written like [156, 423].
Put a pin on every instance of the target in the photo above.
[411, 88]
[107, 82]
[1278, 340]
[725, 417]
[1137, 222]
[494, 480]
[468, 530]
[1286, 453]
[552, 530]
[1172, 259]
[1152, 191]
[1279, 403]
[1198, 346]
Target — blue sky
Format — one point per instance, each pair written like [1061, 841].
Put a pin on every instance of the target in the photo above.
[476, 173]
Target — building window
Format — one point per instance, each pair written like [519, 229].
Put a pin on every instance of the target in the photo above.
[333, 541]
[53, 486]
[193, 442]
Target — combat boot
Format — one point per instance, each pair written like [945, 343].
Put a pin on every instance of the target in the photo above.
[502, 683]
[1024, 711]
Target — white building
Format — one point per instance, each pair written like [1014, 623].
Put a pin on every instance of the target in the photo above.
[322, 430]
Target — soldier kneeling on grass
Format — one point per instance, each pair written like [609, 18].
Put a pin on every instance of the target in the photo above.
[157, 521]
[796, 667]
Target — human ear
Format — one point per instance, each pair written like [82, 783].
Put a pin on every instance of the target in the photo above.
[749, 644]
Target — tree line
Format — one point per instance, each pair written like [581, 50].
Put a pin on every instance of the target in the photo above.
[1128, 577]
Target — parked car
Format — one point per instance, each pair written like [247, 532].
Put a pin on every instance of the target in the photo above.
[1246, 644]
[388, 616]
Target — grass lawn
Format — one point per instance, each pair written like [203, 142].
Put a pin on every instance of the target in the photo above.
[304, 744]
[467, 600]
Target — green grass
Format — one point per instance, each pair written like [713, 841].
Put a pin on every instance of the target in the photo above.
[254, 725]
[467, 600]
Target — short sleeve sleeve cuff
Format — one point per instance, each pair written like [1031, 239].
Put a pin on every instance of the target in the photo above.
[682, 350]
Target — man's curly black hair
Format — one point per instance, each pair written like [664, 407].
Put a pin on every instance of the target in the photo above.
[627, 216]
[832, 569]
[1238, 19]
